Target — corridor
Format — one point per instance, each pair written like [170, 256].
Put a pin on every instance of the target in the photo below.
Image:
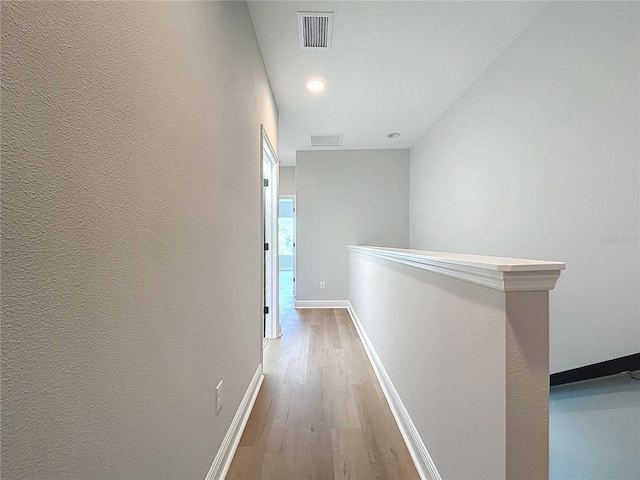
[320, 413]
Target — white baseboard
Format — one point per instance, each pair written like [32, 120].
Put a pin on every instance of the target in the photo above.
[224, 457]
[421, 458]
[322, 304]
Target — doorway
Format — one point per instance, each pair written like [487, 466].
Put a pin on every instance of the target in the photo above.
[269, 164]
[287, 246]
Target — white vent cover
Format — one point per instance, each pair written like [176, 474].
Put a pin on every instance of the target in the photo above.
[327, 140]
[314, 30]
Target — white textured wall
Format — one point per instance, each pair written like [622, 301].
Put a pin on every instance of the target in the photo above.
[457, 406]
[287, 185]
[348, 197]
[540, 159]
[130, 211]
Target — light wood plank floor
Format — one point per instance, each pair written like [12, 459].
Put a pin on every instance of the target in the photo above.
[320, 413]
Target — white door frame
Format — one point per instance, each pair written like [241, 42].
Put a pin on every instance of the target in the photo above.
[293, 197]
[270, 267]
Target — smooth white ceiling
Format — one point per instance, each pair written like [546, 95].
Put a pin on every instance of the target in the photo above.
[394, 66]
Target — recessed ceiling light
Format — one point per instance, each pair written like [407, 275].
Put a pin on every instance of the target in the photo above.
[315, 86]
[393, 135]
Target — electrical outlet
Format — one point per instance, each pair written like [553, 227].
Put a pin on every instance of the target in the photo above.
[322, 285]
[219, 396]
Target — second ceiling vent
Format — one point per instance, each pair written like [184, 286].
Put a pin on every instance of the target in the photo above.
[314, 30]
[326, 140]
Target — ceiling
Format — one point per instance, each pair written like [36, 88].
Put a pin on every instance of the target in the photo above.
[394, 66]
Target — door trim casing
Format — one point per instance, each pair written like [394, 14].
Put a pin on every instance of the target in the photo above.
[269, 259]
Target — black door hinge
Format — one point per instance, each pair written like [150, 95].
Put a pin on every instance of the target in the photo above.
[266, 310]
[266, 246]
[265, 182]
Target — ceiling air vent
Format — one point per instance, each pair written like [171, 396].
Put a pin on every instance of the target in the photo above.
[328, 140]
[314, 29]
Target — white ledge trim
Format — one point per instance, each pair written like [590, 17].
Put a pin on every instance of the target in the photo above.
[499, 273]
